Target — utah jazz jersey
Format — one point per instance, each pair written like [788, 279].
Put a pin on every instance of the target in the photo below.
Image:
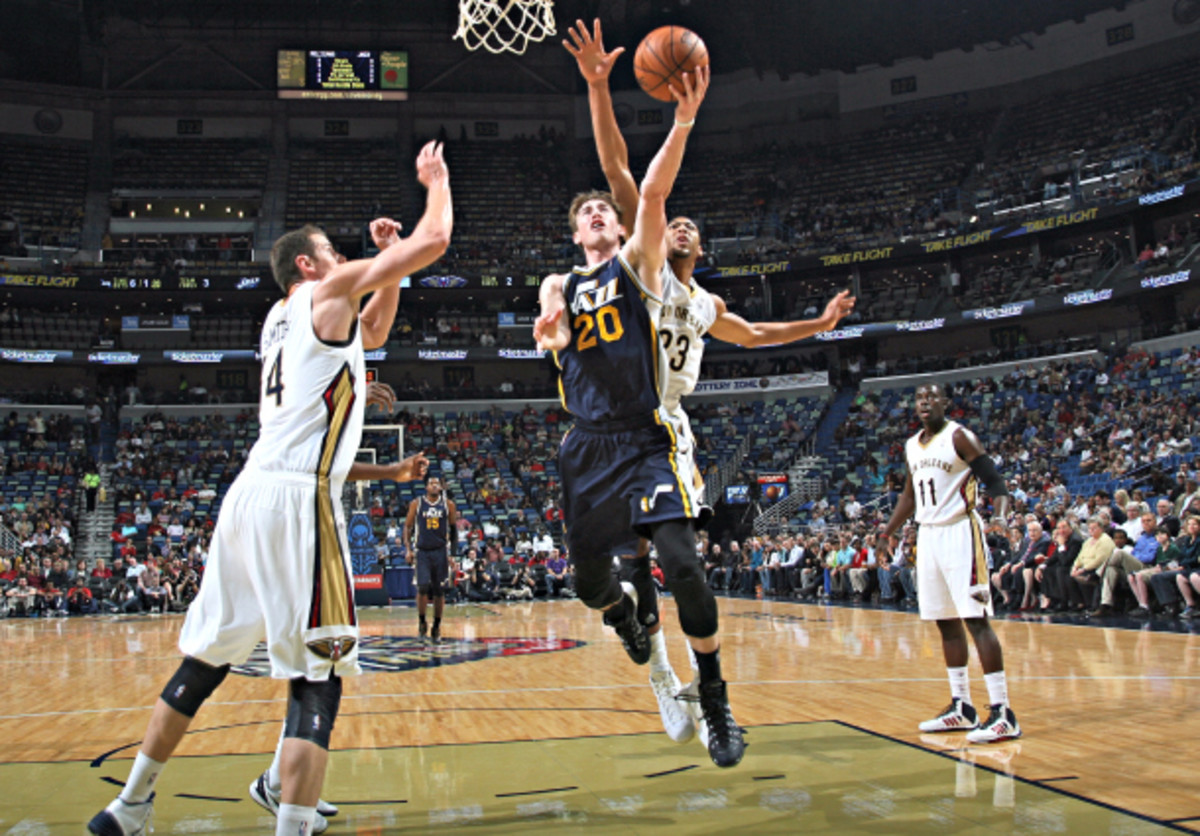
[610, 371]
[431, 523]
[944, 487]
[683, 317]
[313, 394]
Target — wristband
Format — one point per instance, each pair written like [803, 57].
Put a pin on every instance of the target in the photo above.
[687, 124]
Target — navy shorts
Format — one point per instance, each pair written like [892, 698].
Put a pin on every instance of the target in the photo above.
[433, 567]
[618, 484]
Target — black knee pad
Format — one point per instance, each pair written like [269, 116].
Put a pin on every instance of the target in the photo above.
[595, 583]
[683, 571]
[312, 710]
[636, 570]
[436, 591]
[192, 684]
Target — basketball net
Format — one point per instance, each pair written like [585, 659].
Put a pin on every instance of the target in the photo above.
[504, 25]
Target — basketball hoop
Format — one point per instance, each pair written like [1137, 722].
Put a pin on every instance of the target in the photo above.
[504, 25]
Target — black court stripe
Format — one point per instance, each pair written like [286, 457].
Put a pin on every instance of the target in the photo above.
[670, 771]
[1188, 818]
[1077, 796]
[109, 780]
[767, 777]
[378, 801]
[207, 797]
[534, 792]
[1060, 778]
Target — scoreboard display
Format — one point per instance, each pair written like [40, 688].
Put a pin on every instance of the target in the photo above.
[331, 74]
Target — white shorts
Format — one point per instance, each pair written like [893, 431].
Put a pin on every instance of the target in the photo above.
[684, 460]
[279, 570]
[952, 577]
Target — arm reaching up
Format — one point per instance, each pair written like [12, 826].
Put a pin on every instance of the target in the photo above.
[731, 328]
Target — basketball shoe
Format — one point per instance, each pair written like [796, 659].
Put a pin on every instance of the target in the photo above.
[435, 635]
[120, 818]
[725, 742]
[677, 721]
[957, 716]
[629, 627]
[268, 799]
[690, 697]
[422, 630]
[1001, 724]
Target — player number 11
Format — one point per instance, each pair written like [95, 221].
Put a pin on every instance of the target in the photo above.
[932, 494]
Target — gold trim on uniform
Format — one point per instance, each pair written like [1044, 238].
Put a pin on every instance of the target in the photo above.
[978, 551]
[336, 604]
[687, 504]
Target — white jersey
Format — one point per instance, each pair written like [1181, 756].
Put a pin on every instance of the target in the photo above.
[313, 395]
[944, 487]
[682, 317]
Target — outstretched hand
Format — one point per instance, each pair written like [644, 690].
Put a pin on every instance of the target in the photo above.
[546, 331]
[385, 232]
[410, 469]
[381, 395]
[839, 306]
[689, 92]
[431, 165]
[595, 64]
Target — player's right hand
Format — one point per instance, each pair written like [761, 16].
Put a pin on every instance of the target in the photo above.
[595, 64]
[410, 469]
[431, 166]
[385, 232]
[547, 334]
[690, 93]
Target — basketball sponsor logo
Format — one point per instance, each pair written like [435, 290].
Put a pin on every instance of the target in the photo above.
[332, 649]
[396, 654]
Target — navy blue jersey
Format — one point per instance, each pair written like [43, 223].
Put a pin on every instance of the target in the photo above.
[610, 369]
[432, 519]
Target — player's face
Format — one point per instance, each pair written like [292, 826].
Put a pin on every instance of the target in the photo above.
[326, 258]
[433, 487]
[597, 224]
[931, 404]
[683, 239]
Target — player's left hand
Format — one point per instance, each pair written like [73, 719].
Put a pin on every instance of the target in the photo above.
[595, 64]
[547, 334]
[690, 93]
[839, 306]
[412, 468]
[385, 232]
[381, 395]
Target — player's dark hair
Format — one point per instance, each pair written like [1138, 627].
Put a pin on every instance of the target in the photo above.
[290, 245]
[584, 197]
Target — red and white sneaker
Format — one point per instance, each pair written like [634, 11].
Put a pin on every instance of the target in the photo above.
[1001, 724]
[957, 716]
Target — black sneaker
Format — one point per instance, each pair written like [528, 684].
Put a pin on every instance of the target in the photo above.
[436, 634]
[422, 630]
[630, 630]
[725, 742]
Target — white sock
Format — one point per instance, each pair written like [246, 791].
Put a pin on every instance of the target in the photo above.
[658, 653]
[997, 687]
[960, 684]
[294, 820]
[274, 781]
[141, 781]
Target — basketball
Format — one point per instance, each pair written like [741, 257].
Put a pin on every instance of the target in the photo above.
[663, 55]
[773, 492]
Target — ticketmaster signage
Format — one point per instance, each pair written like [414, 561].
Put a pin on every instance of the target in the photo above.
[21, 355]
[1151, 282]
[762, 384]
[1000, 311]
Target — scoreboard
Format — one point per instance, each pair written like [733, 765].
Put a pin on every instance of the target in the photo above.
[331, 74]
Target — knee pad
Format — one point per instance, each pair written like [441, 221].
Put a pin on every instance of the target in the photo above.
[192, 684]
[636, 570]
[675, 542]
[595, 583]
[312, 710]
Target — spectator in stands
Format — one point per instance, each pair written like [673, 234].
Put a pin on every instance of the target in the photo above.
[79, 597]
[1053, 575]
[23, 599]
[151, 589]
[1089, 564]
[1166, 517]
[559, 575]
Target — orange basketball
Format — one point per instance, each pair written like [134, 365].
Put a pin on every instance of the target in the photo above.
[663, 55]
[773, 492]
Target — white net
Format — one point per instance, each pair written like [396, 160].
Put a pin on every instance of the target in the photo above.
[504, 25]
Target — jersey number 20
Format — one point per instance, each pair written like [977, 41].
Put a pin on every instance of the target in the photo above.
[606, 323]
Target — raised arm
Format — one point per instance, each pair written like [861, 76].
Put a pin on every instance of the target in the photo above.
[731, 328]
[336, 297]
[413, 467]
[595, 65]
[646, 248]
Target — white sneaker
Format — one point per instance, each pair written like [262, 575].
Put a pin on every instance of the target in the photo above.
[676, 720]
[268, 799]
[957, 716]
[1001, 724]
[690, 697]
[120, 818]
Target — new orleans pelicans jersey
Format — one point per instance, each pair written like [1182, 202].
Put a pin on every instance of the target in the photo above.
[431, 523]
[611, 370]
[944, 486]
[683, 317]
[313, 394]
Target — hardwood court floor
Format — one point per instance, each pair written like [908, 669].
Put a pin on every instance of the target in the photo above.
[532, 719]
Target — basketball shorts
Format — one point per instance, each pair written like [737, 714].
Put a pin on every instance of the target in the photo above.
[432, 567]
[952, 577]
[685, 459]
[278, 570]
[615, 482]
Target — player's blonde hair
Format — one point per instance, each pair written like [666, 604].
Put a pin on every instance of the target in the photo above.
[584, 197]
